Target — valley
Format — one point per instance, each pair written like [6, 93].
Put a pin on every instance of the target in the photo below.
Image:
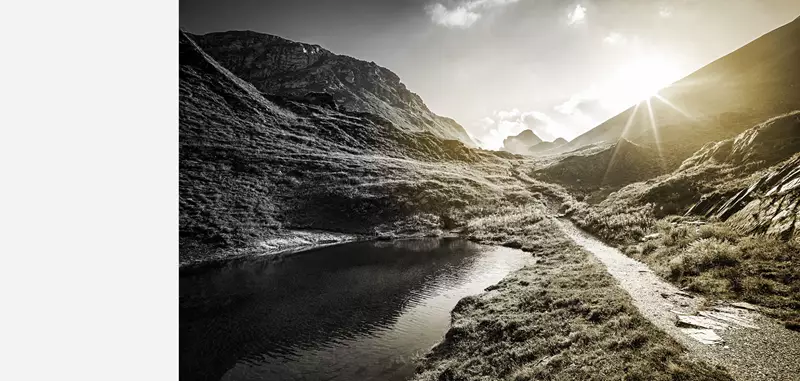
[286, 146]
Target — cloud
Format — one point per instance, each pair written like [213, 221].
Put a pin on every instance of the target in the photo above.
[459, 17]
[665, 12]
[615, 38]
[464, 14]
[504, 123]
[577, 16]
[587, 101]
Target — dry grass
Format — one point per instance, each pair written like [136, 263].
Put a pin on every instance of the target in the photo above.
[564, 318]
[716, 261]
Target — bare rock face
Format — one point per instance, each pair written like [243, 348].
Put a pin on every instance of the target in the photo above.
[770, 204]
[275, 65]
[520, 144]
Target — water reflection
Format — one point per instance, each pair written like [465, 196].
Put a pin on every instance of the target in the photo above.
[356, 311]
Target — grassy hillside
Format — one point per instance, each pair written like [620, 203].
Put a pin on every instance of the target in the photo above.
[256, 167]
[564, 318]
[725, 223]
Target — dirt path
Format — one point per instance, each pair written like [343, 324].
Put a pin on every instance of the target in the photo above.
[750, 345]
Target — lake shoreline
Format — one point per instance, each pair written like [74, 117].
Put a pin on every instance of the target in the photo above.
[223, 257]
[562, 318]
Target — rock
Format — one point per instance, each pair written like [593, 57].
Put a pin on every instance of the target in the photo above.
[745, 306]
[729, 318]
[693, 321]
[651, 236]
[684, 294]
[705, 336]
[773, 205]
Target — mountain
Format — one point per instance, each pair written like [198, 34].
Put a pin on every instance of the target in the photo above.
[519, 144]
[751, 181]
[722, 99]
[275, 65]
[545, 147]
[260, 172]
[622, 163]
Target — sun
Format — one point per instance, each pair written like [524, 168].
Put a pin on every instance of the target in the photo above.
[642, 77]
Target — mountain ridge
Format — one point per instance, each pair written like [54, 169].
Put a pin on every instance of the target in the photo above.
[754, 82]
[281, 66]
[261, 171]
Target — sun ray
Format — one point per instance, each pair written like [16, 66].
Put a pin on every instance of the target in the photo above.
[654, 127]
[616, 148]
[676, 108]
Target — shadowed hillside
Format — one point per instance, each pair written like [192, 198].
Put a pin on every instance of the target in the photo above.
[278, 66]
[623, 163]
[255, 168]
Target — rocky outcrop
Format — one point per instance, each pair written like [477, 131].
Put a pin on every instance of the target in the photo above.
[770, 203]
[275, 65]
[520, 144]
[770, 206]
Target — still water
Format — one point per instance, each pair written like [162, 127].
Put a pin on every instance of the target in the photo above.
[359, 311]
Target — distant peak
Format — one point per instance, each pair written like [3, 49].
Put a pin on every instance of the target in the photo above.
[528, 136]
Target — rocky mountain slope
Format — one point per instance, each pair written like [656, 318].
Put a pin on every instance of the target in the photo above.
[769, 203]
[257, 170]
[756, 82]
[278, 66]
[750, 181]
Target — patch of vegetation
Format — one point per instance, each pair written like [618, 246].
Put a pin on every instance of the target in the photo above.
[564, 318]
[716, 261]
[708, 257]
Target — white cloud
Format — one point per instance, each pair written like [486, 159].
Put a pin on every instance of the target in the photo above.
[577, 103]
[615, 38]
[459, 17]
[464, 14]
[577, 16]
[504, 123]
[665, 12]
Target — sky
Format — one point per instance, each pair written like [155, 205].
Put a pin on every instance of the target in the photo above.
[498, 67]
